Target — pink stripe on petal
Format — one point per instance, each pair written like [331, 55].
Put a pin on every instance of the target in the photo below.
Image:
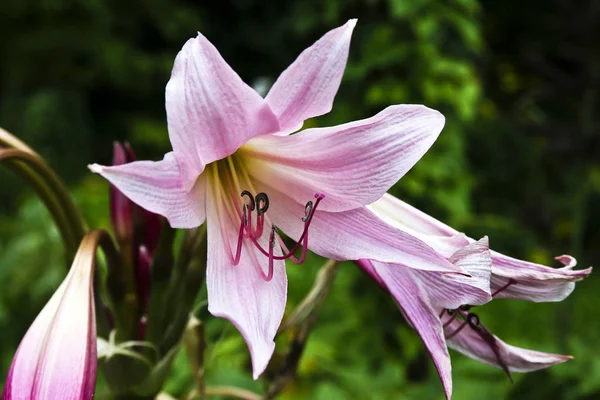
[157, 187]
[308, 86]
[353, 164]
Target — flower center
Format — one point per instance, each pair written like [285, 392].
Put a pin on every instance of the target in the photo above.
[245, 207]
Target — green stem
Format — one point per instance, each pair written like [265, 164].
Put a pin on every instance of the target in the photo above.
[161, 272]
[231, 391]
[305, 318]
[55, 188]
[24, 164]
[185, 291]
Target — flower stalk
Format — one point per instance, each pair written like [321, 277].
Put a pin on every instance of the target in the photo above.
[53, 192]
[304, 319]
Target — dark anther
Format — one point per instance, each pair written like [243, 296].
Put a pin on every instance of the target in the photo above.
[261, 209]
[473, 321]
[465, 307]
[250, 197]
[451, 311]
[307, 211]
[245, 214]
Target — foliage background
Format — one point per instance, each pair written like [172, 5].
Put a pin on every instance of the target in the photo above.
[518, 160]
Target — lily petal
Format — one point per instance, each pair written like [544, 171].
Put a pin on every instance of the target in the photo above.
[308, 86]
[353, 235]
[238, 292]
[515, 359]
[157, 187]
[418, 311]
[211, 112]
[353, 164]
[450, 291]
[535, 282]
[396, 211]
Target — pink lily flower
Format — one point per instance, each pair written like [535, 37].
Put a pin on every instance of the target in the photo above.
[57, 356]
[235, 165]
[438, 305]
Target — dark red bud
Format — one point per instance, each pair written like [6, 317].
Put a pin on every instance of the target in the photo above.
[121, 208]
[142, 276]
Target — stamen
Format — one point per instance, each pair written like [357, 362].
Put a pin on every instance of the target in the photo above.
[302, 241]
[471, 319]
[460, 328]
[262, 197]
[249, 195]
[238, 252]
[307, 210]
[491, 341]
[452, 318]
[510, 282]
[260, 203]
[260, 211]
[474, 323]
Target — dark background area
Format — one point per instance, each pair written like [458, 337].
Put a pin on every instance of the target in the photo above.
[519, 161]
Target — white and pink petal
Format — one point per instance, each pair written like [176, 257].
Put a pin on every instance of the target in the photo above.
[158, 187]
[489, 349]
[211, 112]
[534, 282]
[353, 164]
[308, 86]
[239, 293]
[414, 302]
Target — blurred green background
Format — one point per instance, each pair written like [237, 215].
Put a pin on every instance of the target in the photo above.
[518, 82]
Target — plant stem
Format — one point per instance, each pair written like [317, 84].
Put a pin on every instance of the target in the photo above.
[305, 316]
[232, 392]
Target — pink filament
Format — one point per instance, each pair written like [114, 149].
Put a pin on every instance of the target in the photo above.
[510, 282]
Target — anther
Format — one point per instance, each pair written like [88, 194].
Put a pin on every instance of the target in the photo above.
[245, 215]
[307, 211]
[261, 209]
[247, 193]
[473, 321]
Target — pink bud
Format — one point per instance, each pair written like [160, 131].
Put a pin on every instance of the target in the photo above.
[57, 357]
